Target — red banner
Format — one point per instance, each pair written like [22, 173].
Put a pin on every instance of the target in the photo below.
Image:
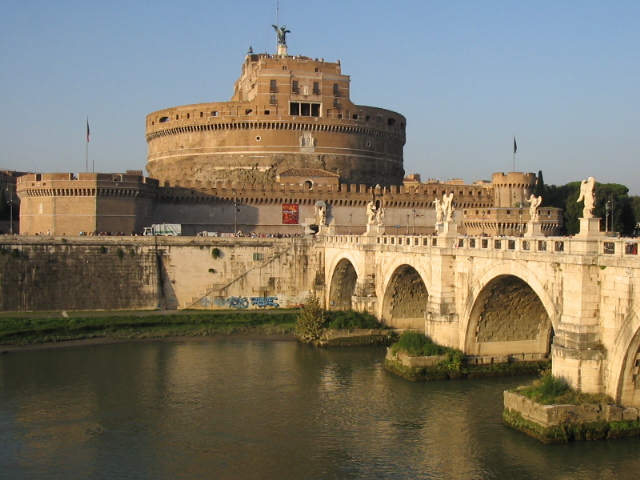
[290, 213]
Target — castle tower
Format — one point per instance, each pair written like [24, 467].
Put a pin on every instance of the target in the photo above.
[512, 189]
[286, 112]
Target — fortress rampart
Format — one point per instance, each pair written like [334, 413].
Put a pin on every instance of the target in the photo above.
[68, 204]
[64, 204]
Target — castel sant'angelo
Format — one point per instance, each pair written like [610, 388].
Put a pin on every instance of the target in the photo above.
[289, 143]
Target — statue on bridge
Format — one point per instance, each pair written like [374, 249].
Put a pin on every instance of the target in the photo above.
[447, 207]
[588, 194]
[374, 215]
[321, 215]
[439, 211]
[534, 203]
[371, 213]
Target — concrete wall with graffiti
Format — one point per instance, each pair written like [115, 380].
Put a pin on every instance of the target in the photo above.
[239, 273]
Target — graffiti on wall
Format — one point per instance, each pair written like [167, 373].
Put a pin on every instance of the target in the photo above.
[239, 302]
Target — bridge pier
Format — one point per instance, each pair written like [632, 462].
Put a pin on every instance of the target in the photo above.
[577, 353]
[441, 317]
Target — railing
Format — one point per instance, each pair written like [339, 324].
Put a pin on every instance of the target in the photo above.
[622, 247]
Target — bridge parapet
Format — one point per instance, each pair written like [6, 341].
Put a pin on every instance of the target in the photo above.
[606, 246]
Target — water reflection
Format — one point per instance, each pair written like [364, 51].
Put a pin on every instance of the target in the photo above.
[233, 407]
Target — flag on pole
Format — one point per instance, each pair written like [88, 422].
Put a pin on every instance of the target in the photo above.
[88, 133]
[515, 146]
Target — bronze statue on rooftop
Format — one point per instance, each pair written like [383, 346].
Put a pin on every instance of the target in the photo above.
[282, 34]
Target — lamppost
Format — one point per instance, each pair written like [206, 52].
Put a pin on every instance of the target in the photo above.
[10, 202]
[414, 221]
[235, 214]
[607, 207]
[350, 215]
[407, 224]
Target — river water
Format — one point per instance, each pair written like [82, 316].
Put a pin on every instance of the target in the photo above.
[246, 408]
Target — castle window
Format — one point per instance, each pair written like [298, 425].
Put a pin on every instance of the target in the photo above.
[316, 87]
[177, 117]
[214, 114]
[355, 116]
[391, 122]
[316, 69]
[248, 111]
[367, 118]
[201, 114]
[273, 86]
[294, 87]
[267, 112]
[163, 119]
[258, 138]
[273, 100]
[336, 90]
[284, 67]
[379, 119]
[304, 109]
[188, 115]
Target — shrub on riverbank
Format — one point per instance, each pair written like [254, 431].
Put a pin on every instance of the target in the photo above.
[313, 320]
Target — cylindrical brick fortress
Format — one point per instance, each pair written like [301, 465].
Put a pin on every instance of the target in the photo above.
[286, 112]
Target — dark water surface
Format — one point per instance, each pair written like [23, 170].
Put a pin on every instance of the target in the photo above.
[241, 408]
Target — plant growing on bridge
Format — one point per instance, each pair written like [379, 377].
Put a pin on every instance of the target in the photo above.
[215, 252]
[550, 390]
[417, 344]
[311, 320]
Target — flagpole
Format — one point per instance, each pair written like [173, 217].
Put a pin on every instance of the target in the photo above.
[515, 149]
[86, 153]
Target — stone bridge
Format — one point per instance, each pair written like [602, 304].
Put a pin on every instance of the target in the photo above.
[572, 299]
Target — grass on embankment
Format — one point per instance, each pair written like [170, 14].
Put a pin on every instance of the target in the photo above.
[15, 330]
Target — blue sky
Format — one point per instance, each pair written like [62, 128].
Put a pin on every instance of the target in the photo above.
[562, 76]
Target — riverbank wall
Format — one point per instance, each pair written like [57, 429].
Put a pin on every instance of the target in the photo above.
[46, 273]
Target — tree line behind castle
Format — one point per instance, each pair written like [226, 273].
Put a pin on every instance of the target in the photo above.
[623, 209]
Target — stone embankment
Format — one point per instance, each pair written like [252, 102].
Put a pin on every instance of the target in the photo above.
[564, 423]
[356, 337]
[47, 273]
[445, 367]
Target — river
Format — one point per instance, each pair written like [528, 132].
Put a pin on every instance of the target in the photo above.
[237, 407]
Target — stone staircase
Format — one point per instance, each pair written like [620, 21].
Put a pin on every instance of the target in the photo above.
[236, 274]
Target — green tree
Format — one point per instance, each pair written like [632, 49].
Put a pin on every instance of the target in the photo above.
[311, 320]
[540, 190]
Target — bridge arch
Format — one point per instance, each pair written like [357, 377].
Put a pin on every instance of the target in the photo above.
[342, 279]
[622, 374]
[508, 312]
[404, 296]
